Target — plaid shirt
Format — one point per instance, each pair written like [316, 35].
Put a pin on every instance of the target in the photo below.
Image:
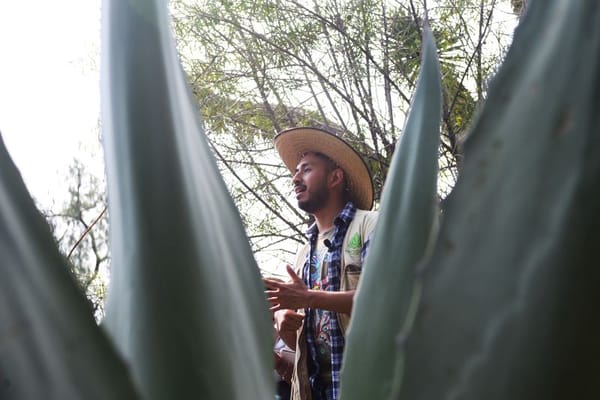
[333, 259]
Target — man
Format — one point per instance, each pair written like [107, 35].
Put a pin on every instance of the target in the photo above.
[312, 310]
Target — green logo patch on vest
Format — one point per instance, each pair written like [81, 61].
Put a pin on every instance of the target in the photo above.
[355, 244]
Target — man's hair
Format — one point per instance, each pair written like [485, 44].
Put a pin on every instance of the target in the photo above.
[331, 165]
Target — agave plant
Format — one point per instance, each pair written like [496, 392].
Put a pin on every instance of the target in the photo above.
[186, 314]
[504, 306]
[406, 227]
[500, 303]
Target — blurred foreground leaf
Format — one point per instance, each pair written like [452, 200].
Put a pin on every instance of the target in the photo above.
[50, 345]
[186, 304]
[510, 299]
[387, 292]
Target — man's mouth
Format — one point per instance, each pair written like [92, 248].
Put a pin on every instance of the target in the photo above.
[299, 189]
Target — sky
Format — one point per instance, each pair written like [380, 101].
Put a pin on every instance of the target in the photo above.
[49, 90]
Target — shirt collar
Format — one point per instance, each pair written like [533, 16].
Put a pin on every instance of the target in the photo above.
[342, 219]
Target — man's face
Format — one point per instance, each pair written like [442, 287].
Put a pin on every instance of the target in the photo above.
[310, 183]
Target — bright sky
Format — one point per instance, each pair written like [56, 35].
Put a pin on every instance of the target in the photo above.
[49, 97]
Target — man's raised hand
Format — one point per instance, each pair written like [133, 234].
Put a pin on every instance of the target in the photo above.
[287, 295]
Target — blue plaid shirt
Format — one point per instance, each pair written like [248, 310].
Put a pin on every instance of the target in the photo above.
[333, 258]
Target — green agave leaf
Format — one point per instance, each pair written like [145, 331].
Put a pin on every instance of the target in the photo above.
[50, 345]
[510, 299]
[186, 305]
[387, 292]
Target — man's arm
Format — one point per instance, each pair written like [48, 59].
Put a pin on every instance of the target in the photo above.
[333, 301]
[295, 295]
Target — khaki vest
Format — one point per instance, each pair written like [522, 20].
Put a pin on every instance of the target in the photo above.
[358, 232]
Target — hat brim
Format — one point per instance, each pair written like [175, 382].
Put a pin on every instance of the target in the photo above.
[292, 144]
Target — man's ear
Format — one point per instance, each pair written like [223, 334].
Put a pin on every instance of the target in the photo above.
[337, 177]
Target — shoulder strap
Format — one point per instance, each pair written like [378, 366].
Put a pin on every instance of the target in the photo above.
[301, 258]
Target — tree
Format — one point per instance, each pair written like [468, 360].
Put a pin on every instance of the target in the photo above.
[80, 228]
[259, 67]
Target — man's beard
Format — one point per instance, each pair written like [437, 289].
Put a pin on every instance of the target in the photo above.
[316, 200]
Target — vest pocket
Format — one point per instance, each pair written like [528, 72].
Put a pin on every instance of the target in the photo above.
[351, 276]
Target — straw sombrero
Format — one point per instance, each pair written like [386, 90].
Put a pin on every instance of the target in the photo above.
[293, 143]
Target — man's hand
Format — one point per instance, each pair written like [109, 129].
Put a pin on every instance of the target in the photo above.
[287, 295]
[287, 323]
[294, 295]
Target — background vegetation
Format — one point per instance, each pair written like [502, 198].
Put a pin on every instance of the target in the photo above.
[260, 67]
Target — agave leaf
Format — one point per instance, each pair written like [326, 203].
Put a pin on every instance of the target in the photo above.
[186, 305]
[50, 345]
[510, 299]
[387, 292]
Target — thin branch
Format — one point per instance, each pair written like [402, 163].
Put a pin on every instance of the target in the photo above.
[87, 230]
[256, 195]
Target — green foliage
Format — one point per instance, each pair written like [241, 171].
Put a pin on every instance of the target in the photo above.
[404, 230]
[185, 306]
[507, 299]
[50, 345]
[518, 5]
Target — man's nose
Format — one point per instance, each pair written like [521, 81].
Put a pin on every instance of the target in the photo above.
[296, 177]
